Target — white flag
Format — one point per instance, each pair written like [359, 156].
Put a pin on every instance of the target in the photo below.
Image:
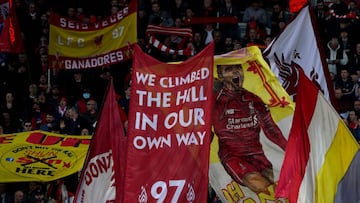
[297, 47]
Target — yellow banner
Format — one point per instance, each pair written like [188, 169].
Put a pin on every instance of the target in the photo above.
[260, 80]
[75, 45]
[41, 156]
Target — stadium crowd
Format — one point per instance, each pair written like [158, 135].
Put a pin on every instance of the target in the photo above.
[68, 101]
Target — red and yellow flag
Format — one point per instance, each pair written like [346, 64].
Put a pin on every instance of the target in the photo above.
[76, 45]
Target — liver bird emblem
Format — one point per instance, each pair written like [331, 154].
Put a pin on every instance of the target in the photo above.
[289, 74]
[98, 40]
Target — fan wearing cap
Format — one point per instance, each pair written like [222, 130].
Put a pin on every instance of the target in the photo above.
[238, 117]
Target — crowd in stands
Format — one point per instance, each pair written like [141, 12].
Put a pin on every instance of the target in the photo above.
[34, 97]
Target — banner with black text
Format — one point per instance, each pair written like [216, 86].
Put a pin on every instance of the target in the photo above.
[41, 156]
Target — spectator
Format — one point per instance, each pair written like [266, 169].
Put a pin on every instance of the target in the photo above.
[42, 47]
[63, 129]
[71, 13]
[354, 8]
[229, 46]
[252, 38]
[346, 42]
[255, 13]
[339, 6]
[124, 100]
[219, 42]
[75, 87]
[123, 110]
[27, 126]
[19, 197]
[178, 8]
[160, 17]
[43, 104]
[4, 195]
[30, 191]
[208, 9]
[336, 57]
[346, 84]
[91, 114]
[39, 196]
[208, 33]
[198, 42]
[38, 117]
[331, 26]
[189, 15]
[43, 85]
[20, 66]
[142, 23]
[237, 44]
[61, 109]
[85, 131]
[44, 21]
[353, 124]
[354, 58]
[81, 102]
[54, 97]
[11, 105]
[268, 39]
[80, 14]
[9, 124]
[9, 77]
[50, 124]
[114, 9]
[75, 123]
[344, 105]
[32, 30]
[356, 107]
[57, 191]
[278, 17]
[228, 9]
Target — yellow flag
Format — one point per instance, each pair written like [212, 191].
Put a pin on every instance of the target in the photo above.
[78, 45]
[260, 80]
[41, 156]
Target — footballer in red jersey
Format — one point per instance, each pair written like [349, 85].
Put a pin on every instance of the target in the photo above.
[238, 117]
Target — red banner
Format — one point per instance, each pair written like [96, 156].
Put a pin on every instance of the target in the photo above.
[10, 36]
[169, 129]
[296, 5]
